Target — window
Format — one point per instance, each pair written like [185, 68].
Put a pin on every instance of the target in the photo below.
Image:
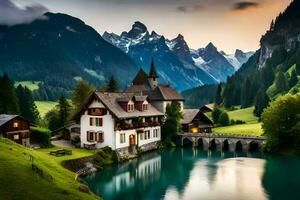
[122, 138]
[145, 106]
[16, 137]
[95, 121]
[130, 107]
[16, 124]
[95, 136]
[90, 136]
[155, 133]
[147, 135]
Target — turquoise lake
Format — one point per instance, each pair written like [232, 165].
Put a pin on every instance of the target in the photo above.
[194, 174]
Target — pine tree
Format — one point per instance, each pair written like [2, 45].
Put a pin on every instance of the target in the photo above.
[63, 111]
[218, 98]
[8, 98]
[81, 92]
[113, 85]
[27, 106]
[294, 79]
[261, 102]
[246, 96]
[281, 82]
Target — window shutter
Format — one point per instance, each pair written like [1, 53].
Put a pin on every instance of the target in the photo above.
[87, 136]
[91, 121]
[100, 122]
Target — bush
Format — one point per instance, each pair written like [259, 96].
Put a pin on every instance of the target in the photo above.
[40, 136]
[216, 115]
[236, 122]
[280, 122]
[224, 119]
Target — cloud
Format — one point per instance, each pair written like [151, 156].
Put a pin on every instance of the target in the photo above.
[190, 8]
[11, 14]
[243, 5]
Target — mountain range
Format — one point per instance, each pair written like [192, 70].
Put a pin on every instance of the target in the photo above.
[273, 70]
[59, 50]
[174, 59]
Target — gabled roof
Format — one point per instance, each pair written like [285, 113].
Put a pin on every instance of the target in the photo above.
[207, 108]
[152, 73]
[141, 78]
[6, 118]
[137, 89]
[190, 114]
[165, 93]
[110, 101]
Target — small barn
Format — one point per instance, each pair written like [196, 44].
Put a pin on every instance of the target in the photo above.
[194, 121]
[16, 128]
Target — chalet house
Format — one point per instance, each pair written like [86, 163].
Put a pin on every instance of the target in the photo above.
[122, 121]
[16, 128]
[160, 95]
[194, 121]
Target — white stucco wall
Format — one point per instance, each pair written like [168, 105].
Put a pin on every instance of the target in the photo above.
[107, 128]
[152, 139]
[127, 135]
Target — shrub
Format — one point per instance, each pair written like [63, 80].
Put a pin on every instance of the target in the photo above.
[280, 122]
[224, 119]
[40, 136]
[216, 115]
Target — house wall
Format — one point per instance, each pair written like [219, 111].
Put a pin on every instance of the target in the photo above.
[19, 134]
[161, 105]
[120, 145]
[152, 139]
[107, 128]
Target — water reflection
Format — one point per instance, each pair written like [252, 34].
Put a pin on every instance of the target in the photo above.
[187, 174]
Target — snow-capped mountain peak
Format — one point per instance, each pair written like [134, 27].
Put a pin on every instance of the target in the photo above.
[175, 61]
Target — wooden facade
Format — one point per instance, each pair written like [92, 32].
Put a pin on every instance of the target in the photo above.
[199, 124]
[16, 129]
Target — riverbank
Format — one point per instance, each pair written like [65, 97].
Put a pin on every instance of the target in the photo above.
[19, 181]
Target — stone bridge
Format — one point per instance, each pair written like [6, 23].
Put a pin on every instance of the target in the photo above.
[223, 142]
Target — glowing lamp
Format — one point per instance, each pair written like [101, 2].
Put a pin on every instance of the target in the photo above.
[194, 130]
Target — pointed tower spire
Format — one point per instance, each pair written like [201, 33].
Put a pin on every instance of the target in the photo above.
[152, 77]
[152, 73]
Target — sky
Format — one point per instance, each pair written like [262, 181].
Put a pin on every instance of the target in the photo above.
[229, 24]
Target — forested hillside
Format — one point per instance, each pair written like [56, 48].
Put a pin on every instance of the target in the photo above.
[273, 70]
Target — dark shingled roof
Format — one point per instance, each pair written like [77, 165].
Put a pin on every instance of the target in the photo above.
[110, 100]
[6, 118]
[160, 93]
[190, 114]
[141, 78]
[166, 93]
[137, 89]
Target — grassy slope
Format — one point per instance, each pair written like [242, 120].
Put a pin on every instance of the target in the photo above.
[18, 181]
[243, 114]
[45, 106]
[31, 85]
[243, 129]
[253, 127]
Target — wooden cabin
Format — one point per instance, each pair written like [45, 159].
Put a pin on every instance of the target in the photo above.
[16, 128]
[194, 121]
[207, 108]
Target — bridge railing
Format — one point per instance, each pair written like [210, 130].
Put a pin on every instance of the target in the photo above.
[231, 136]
